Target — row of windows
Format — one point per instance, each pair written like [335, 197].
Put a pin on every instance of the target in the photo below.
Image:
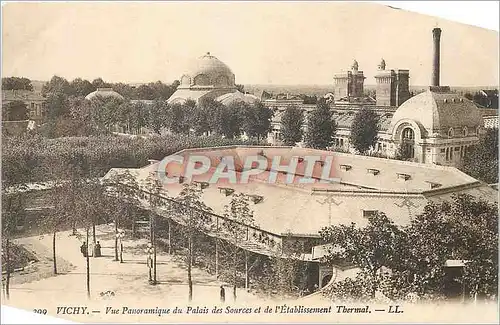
[457, 151]
[464, 133]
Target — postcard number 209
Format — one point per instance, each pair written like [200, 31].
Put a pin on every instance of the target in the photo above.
[40, 311]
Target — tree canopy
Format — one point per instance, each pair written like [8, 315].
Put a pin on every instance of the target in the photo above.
[292, 122]
[321, 128]
[364, 130]
[401, 261]
[481, 161]
[15, 111]
[16, 83]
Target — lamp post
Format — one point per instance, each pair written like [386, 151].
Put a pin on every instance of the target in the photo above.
[150, 251]
[120, 235]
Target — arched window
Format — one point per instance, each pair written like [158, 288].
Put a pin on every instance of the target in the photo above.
[450, 132]
[478, 129]
[408, 134]
[465, 131]
[201, 80]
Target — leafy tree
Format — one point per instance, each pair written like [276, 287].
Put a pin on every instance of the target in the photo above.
[292, 122]
[194, 221]
[218, 117]
[15, 111]
[16, 83]
[465, 228]
[371, 248]
[81, 87]
[99, 83]
[257, 119]
[158, 115]
[364, 130]
[205, 117]
[181, 116]
[57, 85]
[57, 105]
[481, 161]
[232, 119]
[321, 128]
[403, 152]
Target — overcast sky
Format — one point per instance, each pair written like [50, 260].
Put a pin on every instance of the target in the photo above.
[264, 43]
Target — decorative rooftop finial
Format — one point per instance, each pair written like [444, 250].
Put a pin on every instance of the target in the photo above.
[381, 66]
[208, 53]
[355, 65]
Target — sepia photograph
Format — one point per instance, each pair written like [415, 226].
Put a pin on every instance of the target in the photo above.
[248, 162]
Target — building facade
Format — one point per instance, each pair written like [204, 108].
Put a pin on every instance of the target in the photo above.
[433, 127]
[35, 103]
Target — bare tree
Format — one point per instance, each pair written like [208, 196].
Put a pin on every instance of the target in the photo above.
[235, 229]
[194, 221]
[13, 211]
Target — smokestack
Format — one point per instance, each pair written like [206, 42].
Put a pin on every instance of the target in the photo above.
[436, 35]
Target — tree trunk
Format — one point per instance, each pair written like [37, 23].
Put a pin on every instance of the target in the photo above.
[93, 232]
[88, 265]
[133, 226]
[116, 240]
[216, 258]
[217, 248]
[7, 260]
[169, 237]
[246, 270]
[74, 228]
[374, 286]
[154, 256]
[54, 251]
[190, 280]
[235, 270]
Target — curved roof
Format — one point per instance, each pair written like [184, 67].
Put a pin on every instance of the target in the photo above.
[230, 98]
[208, 71]
[105, 93]
[437, 110]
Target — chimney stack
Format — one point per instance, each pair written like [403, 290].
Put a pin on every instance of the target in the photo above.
[436, 33]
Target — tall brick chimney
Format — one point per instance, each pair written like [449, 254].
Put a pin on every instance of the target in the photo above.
[436, 33]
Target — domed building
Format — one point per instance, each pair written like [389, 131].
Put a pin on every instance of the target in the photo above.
[104, 93]
[208, 77]
[436, 126]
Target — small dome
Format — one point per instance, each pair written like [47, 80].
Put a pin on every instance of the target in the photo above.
[208, 71]
[436, 111]
[104, 93]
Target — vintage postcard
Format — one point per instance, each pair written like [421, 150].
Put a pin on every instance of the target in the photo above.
[263, 162]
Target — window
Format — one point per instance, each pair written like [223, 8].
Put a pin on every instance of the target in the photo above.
[465, 131]
[341, 142]
[408, 134]
[450, 132]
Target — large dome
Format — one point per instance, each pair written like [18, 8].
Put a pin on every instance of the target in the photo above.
[208, 72]
[436, 111]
